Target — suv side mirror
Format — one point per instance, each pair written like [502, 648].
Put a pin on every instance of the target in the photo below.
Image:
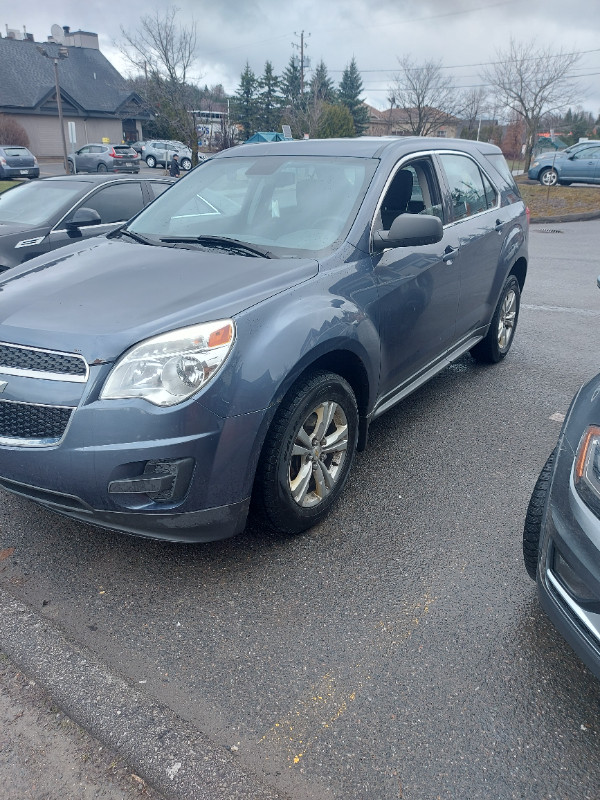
[410, 230]
[82, 217]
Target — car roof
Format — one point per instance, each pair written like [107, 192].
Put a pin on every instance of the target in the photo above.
[360, 147]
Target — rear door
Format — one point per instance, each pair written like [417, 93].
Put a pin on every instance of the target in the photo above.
[476, 233]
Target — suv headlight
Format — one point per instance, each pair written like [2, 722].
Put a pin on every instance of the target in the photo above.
[587, 469]
[169, 368]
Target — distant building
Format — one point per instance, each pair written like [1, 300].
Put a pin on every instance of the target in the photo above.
[395, 122]
[94, 95]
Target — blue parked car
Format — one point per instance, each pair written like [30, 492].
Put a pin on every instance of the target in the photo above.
[579, 164]
[233, 342]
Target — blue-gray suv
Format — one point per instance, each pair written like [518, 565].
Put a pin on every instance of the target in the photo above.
[231, 344]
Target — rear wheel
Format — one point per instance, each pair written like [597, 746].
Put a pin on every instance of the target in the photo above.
[102, 168]
[151, 161]
[71, 168]
[308, 453]
[533, 518]
[548, 177]
[496, 344]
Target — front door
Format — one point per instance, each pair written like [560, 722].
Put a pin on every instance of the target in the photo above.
[418, 286]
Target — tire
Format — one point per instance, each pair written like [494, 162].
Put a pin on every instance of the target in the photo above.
[102, 168]
[151, 161]
[186, 164]
[496, 344]
[533, 518]
[548, 177]
[300, 476]
[71, 168]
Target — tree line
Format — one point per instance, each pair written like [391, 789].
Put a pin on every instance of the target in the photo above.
[524, 87]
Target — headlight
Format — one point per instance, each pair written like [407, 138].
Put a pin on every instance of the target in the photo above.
[535, 164]
[587, 469]
[169, 368]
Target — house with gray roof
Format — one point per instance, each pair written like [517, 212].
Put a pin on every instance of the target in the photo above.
[94, 96]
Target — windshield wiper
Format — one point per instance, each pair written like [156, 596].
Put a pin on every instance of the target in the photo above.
[137, 237]
[219, 241]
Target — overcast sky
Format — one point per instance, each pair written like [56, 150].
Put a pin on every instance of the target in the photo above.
[462, 34]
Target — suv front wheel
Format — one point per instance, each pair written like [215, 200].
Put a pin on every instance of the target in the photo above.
[308, 453]
[186, 164]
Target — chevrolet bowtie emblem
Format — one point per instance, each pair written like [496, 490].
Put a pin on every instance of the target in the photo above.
[3, 385]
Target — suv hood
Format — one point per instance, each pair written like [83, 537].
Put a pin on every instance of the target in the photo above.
[100, 297]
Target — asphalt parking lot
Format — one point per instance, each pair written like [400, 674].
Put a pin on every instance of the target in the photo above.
[395, 651]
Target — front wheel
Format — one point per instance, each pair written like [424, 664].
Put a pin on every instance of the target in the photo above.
[496, 344]
[186, 164]
[308, 453]
[533, 518]
[548, 177]
[151, 161]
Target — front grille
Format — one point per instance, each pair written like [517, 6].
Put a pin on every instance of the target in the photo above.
[33, 424]
[29, 359]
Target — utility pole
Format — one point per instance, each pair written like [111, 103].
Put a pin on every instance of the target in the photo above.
[62, 53]
[304, 62]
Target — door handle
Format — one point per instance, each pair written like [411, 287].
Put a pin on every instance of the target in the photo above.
[498, 225]
[450, 254]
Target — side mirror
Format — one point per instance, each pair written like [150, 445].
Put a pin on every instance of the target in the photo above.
[83, 217]
[410, 230]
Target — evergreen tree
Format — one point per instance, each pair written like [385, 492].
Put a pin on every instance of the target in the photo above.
[269, 100]
[291, 84]
[321, 86]
[245, 104]
[335, 121]
[349, 95]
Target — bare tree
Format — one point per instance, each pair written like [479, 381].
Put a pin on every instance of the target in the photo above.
[12, 131]
[424, 95]
[163, 52]
[532, 83]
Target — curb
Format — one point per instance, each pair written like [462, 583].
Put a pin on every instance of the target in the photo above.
[169, 753]
[567, 218]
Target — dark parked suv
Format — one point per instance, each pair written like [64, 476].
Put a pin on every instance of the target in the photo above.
[233, 342]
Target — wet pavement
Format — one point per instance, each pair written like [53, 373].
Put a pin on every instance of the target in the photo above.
[397, 650]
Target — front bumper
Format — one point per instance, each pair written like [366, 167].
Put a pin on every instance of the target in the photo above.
[569, 563]
[181, 473]
[570, 557]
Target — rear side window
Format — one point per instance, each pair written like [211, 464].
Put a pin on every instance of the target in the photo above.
[470, 190]
[116, 203]
[498, 161]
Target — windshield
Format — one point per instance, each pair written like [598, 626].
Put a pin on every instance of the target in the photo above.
[283, 203]
[37, 203]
